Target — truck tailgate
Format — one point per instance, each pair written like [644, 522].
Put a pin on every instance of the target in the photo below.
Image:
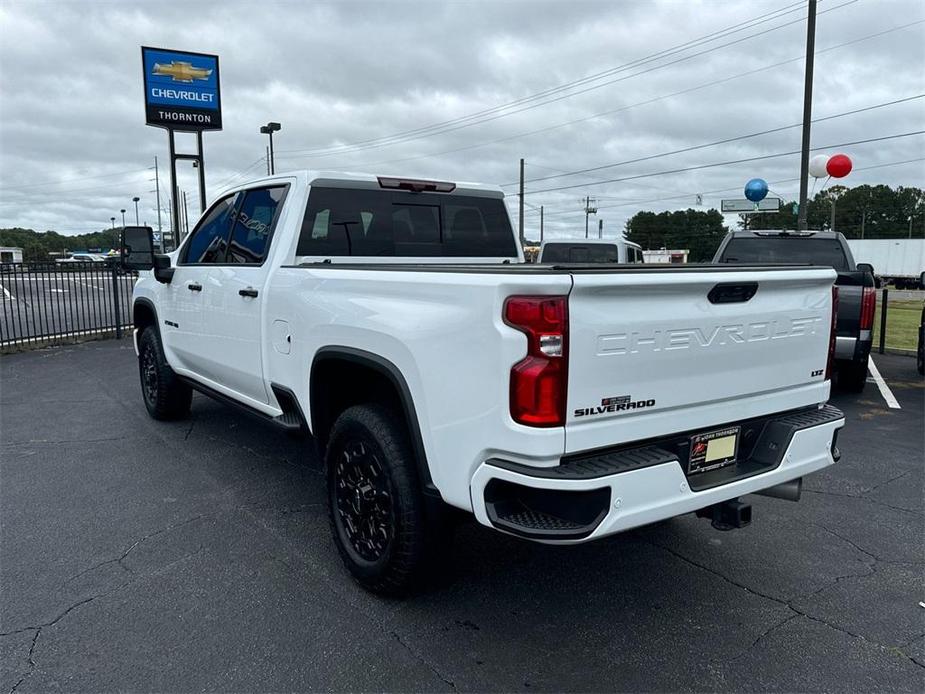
[653, 352]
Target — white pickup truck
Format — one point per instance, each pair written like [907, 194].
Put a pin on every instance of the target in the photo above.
[395, 321]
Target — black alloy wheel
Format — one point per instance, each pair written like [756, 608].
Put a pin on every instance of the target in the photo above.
[363, 500]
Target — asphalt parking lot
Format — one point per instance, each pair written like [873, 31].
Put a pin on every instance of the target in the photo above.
[137, 555]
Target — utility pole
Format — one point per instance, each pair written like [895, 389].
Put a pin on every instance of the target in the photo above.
[588, 211]
[157, 190]
[832, 221]
[600, 228]
[863, 219]
[521, 204]
[541, 224]
[587, 207]
[807, 112]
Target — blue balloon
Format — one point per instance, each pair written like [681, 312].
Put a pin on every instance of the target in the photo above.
[756, 189]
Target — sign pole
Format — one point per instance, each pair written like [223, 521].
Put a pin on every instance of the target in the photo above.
[202, 174]
[174, 201]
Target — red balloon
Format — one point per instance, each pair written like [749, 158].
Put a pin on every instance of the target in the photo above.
[838, 166]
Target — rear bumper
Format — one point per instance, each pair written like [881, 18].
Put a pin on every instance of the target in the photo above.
[595, 496]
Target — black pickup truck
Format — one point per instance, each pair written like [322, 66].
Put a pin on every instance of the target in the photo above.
[857, 295]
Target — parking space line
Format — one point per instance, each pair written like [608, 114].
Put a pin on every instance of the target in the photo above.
[885, 391]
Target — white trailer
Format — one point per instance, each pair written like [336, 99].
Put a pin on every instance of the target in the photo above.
[666, 256]
[897, 261]
[10, 254]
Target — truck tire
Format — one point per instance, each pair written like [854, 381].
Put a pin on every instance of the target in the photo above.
[166, 396]
[852, 376]
[376, 506]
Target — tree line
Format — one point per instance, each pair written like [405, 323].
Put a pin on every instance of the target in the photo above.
[40, 245]
[869, 212]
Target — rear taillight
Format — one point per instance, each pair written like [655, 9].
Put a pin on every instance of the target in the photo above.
[868, 306]
[830, 362]
[539, 381]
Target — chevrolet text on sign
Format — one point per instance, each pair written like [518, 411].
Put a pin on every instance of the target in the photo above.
[181, 89]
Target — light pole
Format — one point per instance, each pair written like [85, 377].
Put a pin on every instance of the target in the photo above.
[113, 220]
[123, 216]
[269, 129]
[135, 200]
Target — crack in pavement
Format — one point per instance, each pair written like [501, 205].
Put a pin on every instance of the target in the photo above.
[29, 672]
[420, 658]
[39, 627]
[135, 544]
[787, 603]
[865, 498]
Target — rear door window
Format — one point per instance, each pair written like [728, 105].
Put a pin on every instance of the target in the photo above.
[798, 250]
[364, 222]
[253, 226]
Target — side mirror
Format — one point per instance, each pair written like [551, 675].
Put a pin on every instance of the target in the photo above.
[922, 281]
[866, 267]
[137, 248]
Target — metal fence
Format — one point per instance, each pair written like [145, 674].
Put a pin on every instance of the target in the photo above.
[51, 303]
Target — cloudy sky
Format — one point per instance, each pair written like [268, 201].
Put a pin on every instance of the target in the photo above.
[461, 91]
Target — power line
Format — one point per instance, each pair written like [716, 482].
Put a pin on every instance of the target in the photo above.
[727, 190]
[726, 163]
[450, 126]
[561, 87]
[721, 142]
[627, 107]
[68, 180]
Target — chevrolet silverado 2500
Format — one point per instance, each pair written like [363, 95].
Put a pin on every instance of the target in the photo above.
[394, 320]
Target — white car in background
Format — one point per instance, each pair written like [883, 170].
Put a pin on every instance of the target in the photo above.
[590, 251]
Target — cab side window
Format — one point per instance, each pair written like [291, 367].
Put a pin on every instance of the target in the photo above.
[209, 240]
[253, 225]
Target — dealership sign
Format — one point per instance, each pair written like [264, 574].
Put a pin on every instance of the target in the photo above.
[181, 89]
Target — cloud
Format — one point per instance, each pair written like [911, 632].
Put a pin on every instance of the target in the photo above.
[74, 148]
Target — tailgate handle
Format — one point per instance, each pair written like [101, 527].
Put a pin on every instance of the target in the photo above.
[732, 292]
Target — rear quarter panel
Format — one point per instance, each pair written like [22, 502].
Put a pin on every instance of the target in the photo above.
[444, 332]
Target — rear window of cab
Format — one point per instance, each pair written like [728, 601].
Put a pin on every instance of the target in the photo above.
[384, 223]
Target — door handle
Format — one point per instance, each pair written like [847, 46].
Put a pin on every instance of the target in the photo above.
[249, 291]
[194, 287]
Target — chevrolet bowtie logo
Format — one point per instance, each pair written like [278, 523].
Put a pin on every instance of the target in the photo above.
[181, 71]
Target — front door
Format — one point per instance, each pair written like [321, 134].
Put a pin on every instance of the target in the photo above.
[183, 319]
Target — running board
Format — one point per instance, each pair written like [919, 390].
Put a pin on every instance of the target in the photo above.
[291, 420]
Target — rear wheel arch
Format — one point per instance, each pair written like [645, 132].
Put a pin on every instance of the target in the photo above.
[345, 376]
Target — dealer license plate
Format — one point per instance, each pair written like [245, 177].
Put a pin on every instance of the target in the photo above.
[713, 450]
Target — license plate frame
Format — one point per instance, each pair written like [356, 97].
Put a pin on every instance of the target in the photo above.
[724, 451]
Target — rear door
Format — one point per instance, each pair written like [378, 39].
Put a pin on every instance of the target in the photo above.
[671, 349]
[236, 300]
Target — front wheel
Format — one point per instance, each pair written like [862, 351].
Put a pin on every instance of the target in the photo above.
[165, 395]
[377, 508]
